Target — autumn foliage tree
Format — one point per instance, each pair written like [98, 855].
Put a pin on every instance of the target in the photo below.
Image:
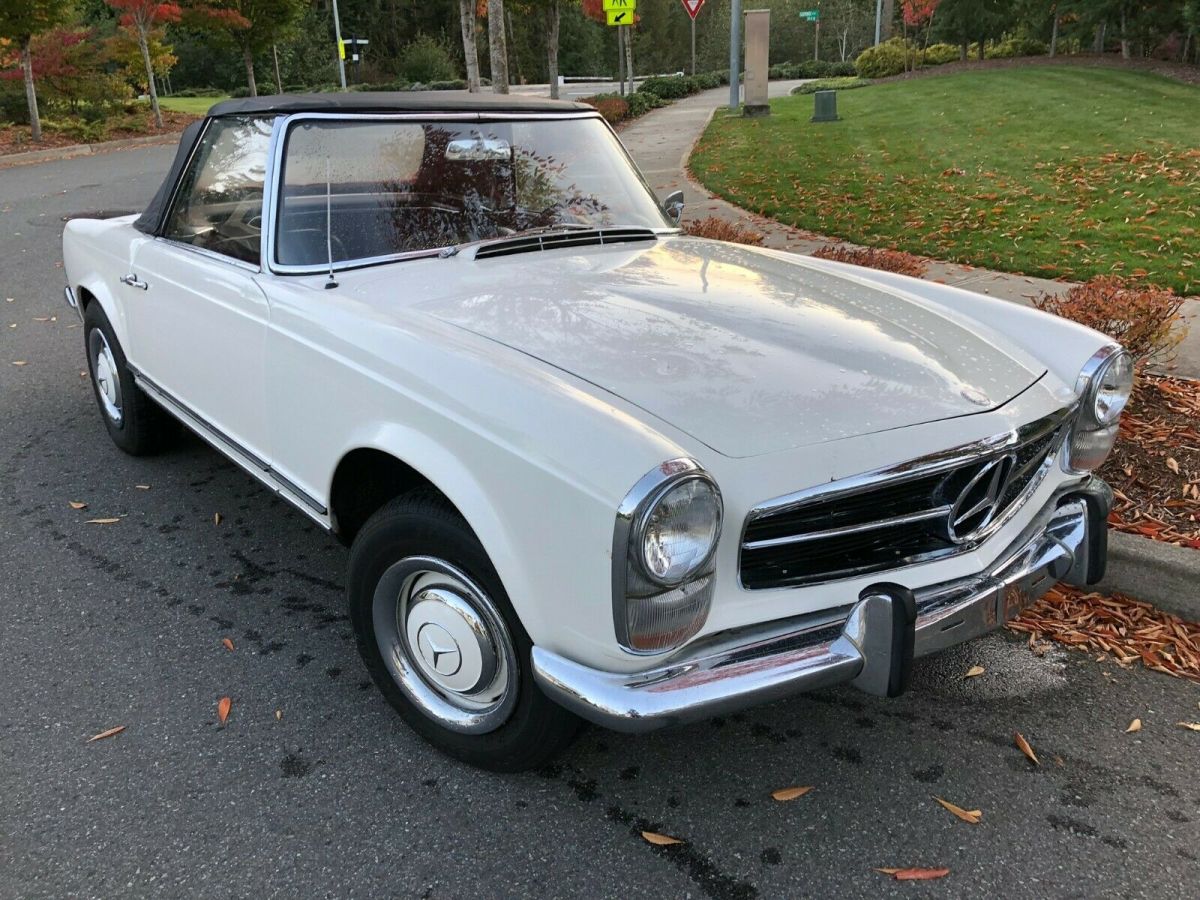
[142, 17]
[20, 22]
[250, 25]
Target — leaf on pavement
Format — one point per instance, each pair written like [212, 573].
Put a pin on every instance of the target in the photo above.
[659, 840]
[216, 518]
[223, 707]
[19, 362]
[227, 643]
[105, 734]
[915, 874]
[1190, 726]
[785, 794]
[1135, 725]
[967, 815]
[111, 521]
[278, 715]
[1023, 746]
[142, 487]
[77, 504]
[974, 671]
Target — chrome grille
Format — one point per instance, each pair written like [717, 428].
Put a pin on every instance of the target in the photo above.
[922, 510]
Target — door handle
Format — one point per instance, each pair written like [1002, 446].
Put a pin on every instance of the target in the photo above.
[133, 281]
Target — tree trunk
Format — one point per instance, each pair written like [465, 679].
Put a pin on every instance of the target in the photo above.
[1054, 33]
[278, 80]
[981, 53]
[35, 121]
[144, 46]
[552, 47]
[964, 49]
[248, 59]
[889, 15]
[1124, 35]
[512, 39]
[497, 49]
[466, 19]
[1098, 40]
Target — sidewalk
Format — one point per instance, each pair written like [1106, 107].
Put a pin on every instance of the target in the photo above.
[662, 140]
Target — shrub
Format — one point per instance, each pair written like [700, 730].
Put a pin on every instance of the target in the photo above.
[77, 130]
[842, 69]
[613, 107]
[1145, 319]
[721, 230]
[813, 68]
[886, 260]
[201, 92]
[240, 91]
[1016, 46]
[940, 54]
[425, 59]
[454, 84]
[707, 80]
[885, 59]
[831, 84]
[671, 87]
[641, 103]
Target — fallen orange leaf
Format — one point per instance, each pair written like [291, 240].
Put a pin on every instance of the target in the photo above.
[105, 734]
[1190, 726]
[216, 518]
[967, 815]
[1023, 746]
[785, 794]
[227, 643]
[1173, 464]
[76, 504]
[659, 840]
[223, 707]
[974, 671]
[915, 874]
[1135, 725]
[111, 521]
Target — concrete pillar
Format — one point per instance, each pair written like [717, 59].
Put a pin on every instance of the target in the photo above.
[758, 42]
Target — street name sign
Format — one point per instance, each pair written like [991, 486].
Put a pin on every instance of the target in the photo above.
[810, 15]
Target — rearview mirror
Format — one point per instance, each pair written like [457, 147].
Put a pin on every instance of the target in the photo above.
[673, 206]
[478, 150]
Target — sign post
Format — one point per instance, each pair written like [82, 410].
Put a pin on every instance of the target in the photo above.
[620, 15]
[337, 33]
[693, 10]
[814, 16]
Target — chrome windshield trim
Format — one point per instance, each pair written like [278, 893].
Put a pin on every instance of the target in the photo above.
[275, 179]
[906, 519]
[210, 254]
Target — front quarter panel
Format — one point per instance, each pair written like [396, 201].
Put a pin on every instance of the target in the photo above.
[96, 253]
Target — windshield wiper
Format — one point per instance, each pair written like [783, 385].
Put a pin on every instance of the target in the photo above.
[525, 232]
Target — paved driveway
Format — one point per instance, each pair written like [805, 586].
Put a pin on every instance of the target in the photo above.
[122, 625]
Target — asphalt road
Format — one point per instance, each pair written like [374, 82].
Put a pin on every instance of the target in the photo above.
[105, 625]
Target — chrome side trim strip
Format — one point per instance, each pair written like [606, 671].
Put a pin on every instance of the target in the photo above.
[905, 519]
[247, 459]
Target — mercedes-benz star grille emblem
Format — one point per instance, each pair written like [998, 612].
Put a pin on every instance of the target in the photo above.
[980, 500]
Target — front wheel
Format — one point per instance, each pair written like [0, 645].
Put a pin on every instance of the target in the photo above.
[442, 642]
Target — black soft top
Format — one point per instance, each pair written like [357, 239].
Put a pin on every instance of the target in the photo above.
[151, 220]
[398, 101]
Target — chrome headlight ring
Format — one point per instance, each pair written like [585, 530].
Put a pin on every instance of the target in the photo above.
[1104, 386]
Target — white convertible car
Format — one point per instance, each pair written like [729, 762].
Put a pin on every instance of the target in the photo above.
[588, 466]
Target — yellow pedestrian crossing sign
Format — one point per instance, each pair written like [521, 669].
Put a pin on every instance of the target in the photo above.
[620, 12]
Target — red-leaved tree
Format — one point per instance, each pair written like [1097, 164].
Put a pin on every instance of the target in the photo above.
[142, 17]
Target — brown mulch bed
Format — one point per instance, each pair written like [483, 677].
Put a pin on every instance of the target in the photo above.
[1155, 466]
[16, 139]
[1188, 74]
[1130, 630]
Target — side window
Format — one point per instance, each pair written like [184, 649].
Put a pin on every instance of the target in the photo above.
[219, 203]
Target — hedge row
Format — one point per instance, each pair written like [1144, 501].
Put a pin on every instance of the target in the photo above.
[895, 56]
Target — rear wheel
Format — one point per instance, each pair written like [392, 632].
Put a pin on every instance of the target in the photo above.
[442, 642]
[135, 423]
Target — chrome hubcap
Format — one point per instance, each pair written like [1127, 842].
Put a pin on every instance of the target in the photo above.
[445, 644]
[104, 373]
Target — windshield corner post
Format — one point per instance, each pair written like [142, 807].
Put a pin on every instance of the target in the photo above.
[735, 47]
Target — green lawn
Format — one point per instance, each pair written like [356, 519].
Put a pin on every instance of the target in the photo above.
[1066, 171]
[197, 106]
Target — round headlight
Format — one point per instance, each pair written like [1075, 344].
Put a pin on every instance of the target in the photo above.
[1110, 389]
[679, 531]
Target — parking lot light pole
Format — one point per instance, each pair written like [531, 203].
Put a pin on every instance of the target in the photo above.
[735, 46]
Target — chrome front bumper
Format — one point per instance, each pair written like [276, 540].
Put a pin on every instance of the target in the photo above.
[870, 643]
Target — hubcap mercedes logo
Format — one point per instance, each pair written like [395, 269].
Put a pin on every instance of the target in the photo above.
[979, 501]
[439, 650]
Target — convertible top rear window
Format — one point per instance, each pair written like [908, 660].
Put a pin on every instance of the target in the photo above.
[403, 186]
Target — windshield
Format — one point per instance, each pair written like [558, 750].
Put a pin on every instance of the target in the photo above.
[401, 186]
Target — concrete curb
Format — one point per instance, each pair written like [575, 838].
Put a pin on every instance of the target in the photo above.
[51, 154]
[1162, 574]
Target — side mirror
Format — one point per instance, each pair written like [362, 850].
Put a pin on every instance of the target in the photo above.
[673, 206]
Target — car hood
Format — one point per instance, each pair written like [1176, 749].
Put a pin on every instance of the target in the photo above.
[745, 350]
